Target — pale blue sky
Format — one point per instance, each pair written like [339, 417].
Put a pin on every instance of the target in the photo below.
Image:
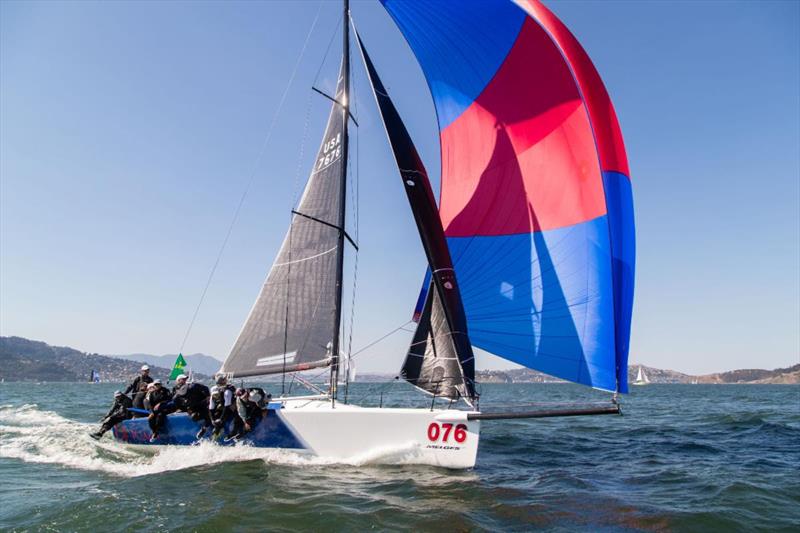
[129, 130]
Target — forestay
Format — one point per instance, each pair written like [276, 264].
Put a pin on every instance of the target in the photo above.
[292, 324]
[535, 196]
[440, 360]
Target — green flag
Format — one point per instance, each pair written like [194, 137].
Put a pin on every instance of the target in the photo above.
[177, 370]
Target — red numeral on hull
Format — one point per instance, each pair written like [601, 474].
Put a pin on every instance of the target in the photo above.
[435, 431]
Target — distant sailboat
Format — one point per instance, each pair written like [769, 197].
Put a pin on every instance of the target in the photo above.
[530, 253]
[94, 377]
[641, 377]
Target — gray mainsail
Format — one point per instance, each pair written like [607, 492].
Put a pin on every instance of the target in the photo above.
[293, 322]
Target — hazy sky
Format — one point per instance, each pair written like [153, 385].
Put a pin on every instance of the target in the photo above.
[128, 132]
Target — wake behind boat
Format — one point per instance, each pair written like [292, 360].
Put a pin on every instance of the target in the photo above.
[530, 252]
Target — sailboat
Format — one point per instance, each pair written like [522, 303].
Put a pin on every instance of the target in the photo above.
[641, 377]
[94, 377]
[530, 250]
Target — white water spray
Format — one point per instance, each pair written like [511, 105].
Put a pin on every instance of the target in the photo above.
[37, 436]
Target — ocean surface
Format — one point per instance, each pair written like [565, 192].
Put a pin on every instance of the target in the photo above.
[682, 458]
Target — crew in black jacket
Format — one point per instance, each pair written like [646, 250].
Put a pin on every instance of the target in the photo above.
[193, 399]
[158, 401]
[117, 413]
[222, 406]
[138, 400]
[180, 381]
[143, 377]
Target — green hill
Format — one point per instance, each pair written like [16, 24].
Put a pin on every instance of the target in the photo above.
[26, 360]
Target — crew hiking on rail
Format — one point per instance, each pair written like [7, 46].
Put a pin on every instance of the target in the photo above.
[222, 405]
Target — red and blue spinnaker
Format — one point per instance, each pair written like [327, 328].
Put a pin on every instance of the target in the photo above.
[535, 197]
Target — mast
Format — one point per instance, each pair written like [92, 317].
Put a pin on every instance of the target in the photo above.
[345, 104]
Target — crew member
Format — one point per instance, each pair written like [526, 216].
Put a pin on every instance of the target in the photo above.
[221, 405]
[193, 398]
[138, 400]
[159, 402]
[180, 381]
[143, 377]
[249, 411]
[258, 396]
[117, 413]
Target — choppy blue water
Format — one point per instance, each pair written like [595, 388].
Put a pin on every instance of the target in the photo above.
[682, 458]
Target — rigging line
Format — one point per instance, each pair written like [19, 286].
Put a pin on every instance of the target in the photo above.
[328, 49]
[303, 140]
[286, 311]
[252, 177]
[353, 193]
[353, 75]
[370, 345]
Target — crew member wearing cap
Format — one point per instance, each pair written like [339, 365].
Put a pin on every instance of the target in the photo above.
[138, 400]
[249, 411]
[159, 402]
[117, 413]
[222, 405]
[180, 381]
[143, 377]
[193, 399]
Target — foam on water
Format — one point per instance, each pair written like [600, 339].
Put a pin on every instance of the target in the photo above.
[725, 460]
[33, 435]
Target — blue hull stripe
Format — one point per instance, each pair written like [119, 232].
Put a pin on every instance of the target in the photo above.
[270, 432]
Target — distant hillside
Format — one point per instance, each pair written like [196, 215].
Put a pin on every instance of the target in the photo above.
[26, 360]
[785, 376]
[198, 362]
[778, 376]
[658, 375]
[516, 375]
[655, 375]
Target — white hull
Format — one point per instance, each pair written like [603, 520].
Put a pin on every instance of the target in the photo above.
[344, 433]
[411, 436]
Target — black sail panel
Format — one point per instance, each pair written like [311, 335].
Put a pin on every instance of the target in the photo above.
[293, 321]
[443, 330]
[432, 362]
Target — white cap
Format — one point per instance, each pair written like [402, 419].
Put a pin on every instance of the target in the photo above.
[182, 376]
[145, 367]
[156, 382]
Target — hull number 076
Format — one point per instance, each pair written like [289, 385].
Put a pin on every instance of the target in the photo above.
[443, 432]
